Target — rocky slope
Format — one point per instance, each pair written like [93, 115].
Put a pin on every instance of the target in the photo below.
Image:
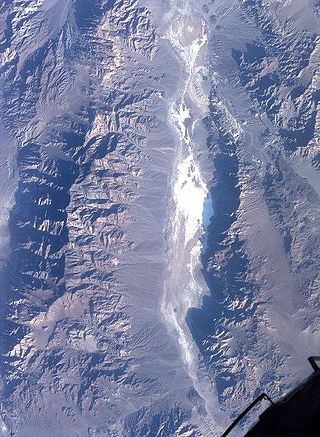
[89, 150]
[83, 348]
[261, 319]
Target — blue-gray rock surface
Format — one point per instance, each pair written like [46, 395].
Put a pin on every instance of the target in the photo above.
[160, 199]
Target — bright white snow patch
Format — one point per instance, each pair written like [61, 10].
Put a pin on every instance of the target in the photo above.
[189, 196]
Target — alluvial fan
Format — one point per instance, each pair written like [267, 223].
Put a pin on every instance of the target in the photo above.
[160, 199]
